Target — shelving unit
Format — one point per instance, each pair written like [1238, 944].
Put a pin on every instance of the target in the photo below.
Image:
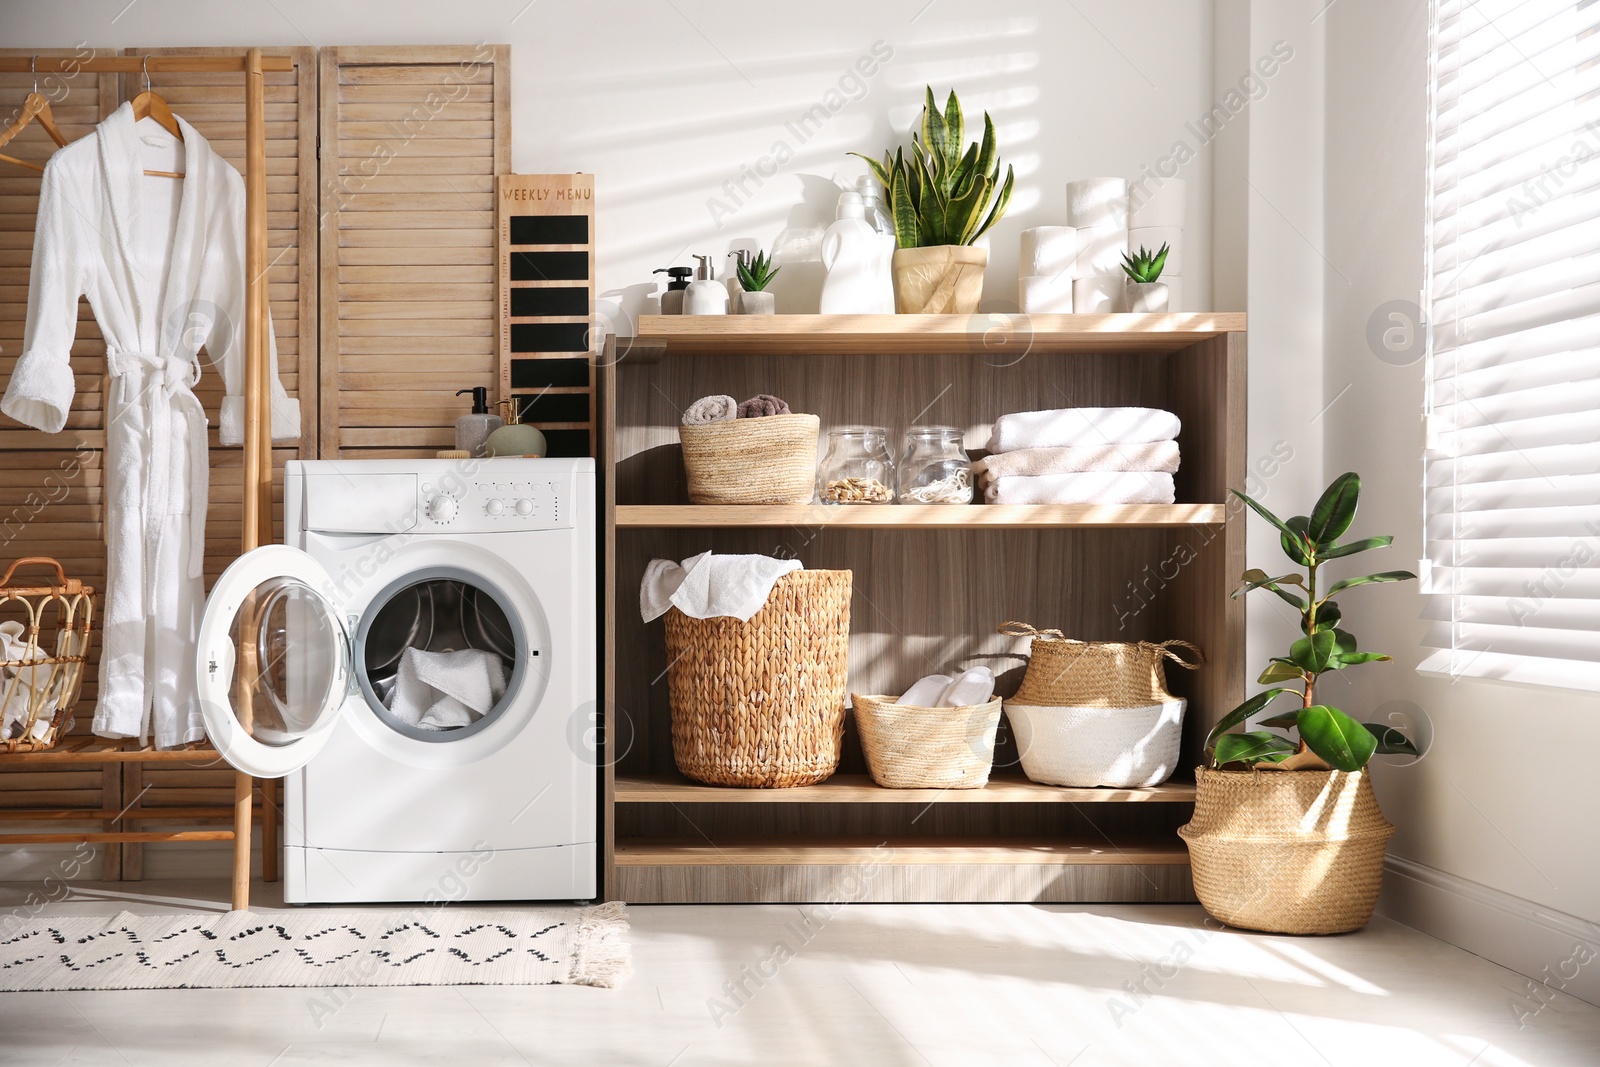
[931, 584]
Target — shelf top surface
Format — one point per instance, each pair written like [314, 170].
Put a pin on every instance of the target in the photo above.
[929, 516]
[858, 788]
[781, 851]
[1002, 335]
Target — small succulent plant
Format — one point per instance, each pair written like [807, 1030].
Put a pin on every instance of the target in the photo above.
[1146, 266]
[756, 274]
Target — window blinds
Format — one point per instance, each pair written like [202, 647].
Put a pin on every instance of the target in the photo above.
[1512, 467]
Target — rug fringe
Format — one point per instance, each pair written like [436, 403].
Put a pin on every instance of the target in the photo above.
[600, 957]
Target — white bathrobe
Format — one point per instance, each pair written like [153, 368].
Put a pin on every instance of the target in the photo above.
[163, 269]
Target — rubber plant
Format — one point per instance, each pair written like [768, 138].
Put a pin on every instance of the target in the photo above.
[1327, 736]
[940, 194]
[756, 274]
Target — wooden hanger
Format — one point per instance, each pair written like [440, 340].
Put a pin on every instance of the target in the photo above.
[34, 107]
[149, 105]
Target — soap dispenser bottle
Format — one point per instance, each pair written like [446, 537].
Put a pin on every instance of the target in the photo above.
[741, 259]
[705, 295]
[474, 429]
[858, 263]
[677, 285]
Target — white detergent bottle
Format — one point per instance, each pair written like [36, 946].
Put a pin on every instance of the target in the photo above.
[856, 259]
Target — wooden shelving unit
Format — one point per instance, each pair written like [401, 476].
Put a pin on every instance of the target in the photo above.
[931, 584]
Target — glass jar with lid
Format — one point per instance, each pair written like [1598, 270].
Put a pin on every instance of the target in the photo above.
[935, 468]
[857, 468]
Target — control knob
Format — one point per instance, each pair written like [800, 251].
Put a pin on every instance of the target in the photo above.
[442, 508]
[524, 507]
[494, 507]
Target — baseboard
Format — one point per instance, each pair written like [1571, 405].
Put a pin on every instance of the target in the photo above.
[1558, 953]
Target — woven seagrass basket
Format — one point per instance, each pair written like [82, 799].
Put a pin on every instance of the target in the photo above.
[771, 460]
[761, 703]
[908, 747]
[1287, 852]
[46, 628]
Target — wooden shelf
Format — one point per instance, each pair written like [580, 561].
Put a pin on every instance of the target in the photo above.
[90, 749]
[1004, 336]
[859, 789]
[924, 516]
[901, 852]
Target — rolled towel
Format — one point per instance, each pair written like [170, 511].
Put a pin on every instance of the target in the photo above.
[1098, 202]
[761, 405]
[710, 409]
[1153, 237]
[1048, 250]
[1046, 294]
[1153, 456]
[1094, 487]
[1099, 294]
[1161, 205]
[1059, 427]
[1100, 250]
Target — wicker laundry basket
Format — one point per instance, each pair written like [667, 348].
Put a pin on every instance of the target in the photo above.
[1289, 852]
[761, 703]
[909, 747]
[46, 629]
[1097, 713]
[770, 460]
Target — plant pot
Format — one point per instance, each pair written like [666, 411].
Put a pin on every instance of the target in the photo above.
[1287, 852]
[758, 302]
[1146, 298]
[939, 280]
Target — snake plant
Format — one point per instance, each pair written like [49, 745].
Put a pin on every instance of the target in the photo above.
[941, 194]
[1333, 738]
[1146, 266]
[756, 274]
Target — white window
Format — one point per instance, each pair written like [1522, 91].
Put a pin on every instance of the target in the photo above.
[1512, 483]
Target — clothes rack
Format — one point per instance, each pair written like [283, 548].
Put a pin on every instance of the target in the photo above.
[257, 516]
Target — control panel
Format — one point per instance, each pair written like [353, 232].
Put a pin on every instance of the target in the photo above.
[478, 503]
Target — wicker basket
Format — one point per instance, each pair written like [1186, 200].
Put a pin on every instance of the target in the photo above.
[908, 747]
[761, 703]
[42, 673]
[1097, 713]
[770, 460]
[1287, 852]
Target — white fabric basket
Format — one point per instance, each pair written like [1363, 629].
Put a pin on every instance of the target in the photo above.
[1119, 747]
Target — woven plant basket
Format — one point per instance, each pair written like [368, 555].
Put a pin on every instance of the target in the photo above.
[1287, 852]
[761, 703]
[770, 460]
[908, 747]
[1097, 713]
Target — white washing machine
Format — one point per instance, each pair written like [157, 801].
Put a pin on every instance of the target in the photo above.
[302, 646]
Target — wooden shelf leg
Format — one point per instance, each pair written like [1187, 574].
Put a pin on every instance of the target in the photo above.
[243, 790]
[269, 830]
[133, 799]
[111, 792]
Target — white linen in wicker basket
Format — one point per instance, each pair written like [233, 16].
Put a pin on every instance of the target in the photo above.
[1120, 747]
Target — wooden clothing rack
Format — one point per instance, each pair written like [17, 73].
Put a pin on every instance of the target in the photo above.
[257, 517]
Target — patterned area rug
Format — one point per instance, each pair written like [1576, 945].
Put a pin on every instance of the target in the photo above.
[377, 947]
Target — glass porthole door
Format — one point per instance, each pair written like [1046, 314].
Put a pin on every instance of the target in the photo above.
[274, 662]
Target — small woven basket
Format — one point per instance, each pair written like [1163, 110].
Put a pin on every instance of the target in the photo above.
[1287, 852]
[770, 460]
[761, 703]
[46, 631]
[908, 747]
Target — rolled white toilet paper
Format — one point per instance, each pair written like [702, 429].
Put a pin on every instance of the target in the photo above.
[1100, 250]
[1098, 202]
[1046, 294]
[1098, 294]
[1048, 250]
[1153, 237]
[1157, 205]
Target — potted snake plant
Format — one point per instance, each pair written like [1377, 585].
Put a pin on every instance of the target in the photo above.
[943, 196]
[1287, 836]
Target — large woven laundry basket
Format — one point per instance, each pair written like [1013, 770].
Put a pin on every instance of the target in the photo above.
[1097, 713]
[761, 703]
[771, 460]
[910, 747]
[1288, 852]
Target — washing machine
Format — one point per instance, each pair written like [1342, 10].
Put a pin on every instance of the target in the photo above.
[471, 582]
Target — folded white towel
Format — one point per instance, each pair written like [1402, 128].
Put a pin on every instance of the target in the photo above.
[1094, 487]
[719, 408]
[707, 586]
[925, 692]
[972, 686]
[445, 690]
[1160, 456]
[1082, 426]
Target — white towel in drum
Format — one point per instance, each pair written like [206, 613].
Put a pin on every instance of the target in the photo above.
[708, 586]
[1095, 487]
[1059, 427]
[445, 690]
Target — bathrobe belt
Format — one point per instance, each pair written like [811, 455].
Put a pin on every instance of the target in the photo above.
[168, 392]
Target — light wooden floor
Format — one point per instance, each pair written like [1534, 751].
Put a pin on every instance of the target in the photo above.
[879, 985]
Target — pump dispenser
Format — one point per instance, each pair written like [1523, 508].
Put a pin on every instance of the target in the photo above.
[474, 429]
[677, 284]
[705, 295]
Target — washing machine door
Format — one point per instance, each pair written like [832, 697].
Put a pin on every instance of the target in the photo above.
[274, 661]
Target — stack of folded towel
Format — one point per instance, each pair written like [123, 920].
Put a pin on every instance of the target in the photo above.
[721, 408]
[1081, 456]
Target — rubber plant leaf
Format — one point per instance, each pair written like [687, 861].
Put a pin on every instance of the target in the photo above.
[1335, 510]
[1311, 654]
[1366, 544]
[1255, 747]
[1243, 712]
[1391, 741]
[1342, 742]
[1369, 579]
[1287, 721]
[1328, 615]
[1294, 542]
[1282, 527]
[1278, 671]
